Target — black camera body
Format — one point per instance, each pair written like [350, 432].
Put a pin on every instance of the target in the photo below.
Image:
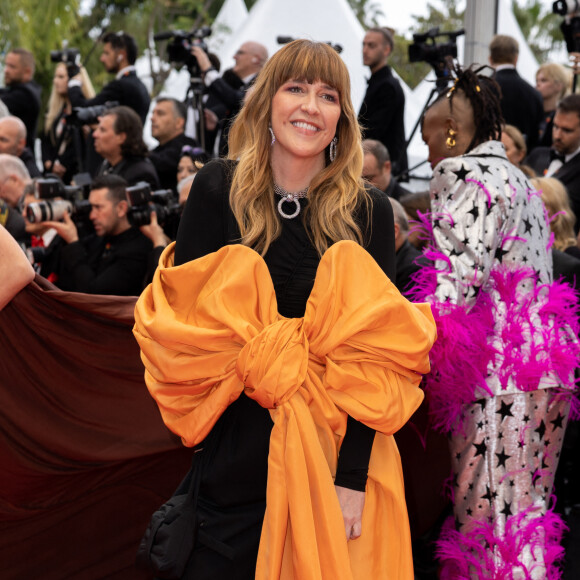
[142, 201]
[71, 57]
[52, 209]
[439, 55]
[180, 45]
[426, 49]
[89, 115]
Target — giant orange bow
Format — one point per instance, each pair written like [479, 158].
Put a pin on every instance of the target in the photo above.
[209, 329]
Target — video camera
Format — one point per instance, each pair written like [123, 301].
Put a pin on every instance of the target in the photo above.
[426, 49]
[53, 209]
[142, 201]
[180, 45]
[71, 57]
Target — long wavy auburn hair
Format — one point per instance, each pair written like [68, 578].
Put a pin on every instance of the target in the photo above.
[335, 192]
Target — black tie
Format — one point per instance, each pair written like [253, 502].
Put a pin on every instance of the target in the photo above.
[555, 156]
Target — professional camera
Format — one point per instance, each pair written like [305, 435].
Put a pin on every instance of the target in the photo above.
[66, 55]
[426, 49]
[142, 201]
[51, 209]
[89, 115]
[179, 47]
[71, 57]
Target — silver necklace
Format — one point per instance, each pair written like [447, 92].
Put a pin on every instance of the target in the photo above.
[289, 197]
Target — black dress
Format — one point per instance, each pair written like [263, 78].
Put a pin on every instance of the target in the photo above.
[234, 456]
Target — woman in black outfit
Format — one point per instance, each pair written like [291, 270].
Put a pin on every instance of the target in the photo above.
[60, 151]
[290, 189]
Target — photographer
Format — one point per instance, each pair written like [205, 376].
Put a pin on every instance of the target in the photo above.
[119, 140]
[115, 260]
[118, 57]
[250, 58]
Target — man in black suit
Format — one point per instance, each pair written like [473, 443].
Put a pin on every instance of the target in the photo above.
[383, 108]
[377, 169]
[118, 57]
[167, 126]
[562, 160]
[521, 104]
[22, 94]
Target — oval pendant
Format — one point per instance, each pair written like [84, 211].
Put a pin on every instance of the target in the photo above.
[288, 216]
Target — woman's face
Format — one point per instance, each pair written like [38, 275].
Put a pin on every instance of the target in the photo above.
[185, 167]
[514, 155]
[60, 80]
[304, 119]
[547, 87]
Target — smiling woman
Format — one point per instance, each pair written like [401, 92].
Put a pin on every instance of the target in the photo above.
[296, 464]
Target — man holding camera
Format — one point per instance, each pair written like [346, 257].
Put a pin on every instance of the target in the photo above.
[249, 58]
[22, 94]
[382, 111]
[118, 57]
[115, 260]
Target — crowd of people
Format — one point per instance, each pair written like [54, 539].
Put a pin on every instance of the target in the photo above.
[487, 260]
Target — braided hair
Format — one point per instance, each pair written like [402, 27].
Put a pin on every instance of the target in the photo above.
[484, 95]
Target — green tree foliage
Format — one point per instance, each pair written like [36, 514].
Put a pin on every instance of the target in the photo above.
[38, 26]
[540, 27]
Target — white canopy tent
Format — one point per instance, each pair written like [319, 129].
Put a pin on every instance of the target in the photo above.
[231, 17]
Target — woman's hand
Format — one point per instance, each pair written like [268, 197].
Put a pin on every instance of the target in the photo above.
[351, 503]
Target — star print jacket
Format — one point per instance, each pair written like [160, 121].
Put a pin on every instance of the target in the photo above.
[503, 325]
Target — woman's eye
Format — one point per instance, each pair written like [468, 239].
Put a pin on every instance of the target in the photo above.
[331, 98]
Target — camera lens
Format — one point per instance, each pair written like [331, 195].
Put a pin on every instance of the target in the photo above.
[52, 210]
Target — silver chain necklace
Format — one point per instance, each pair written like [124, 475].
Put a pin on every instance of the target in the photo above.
[289, 197]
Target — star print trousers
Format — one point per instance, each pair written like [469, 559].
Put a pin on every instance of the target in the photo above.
[504, 463]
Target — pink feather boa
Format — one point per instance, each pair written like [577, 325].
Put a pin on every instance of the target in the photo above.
[464, 348]
[467, 555]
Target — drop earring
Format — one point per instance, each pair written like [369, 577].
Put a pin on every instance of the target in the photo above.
[332, 149]
[272, 134]
[450, 141]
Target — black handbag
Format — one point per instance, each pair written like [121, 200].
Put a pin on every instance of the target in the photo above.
[169, 538]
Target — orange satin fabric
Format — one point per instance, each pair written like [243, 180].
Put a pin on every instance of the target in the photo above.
[209, 329]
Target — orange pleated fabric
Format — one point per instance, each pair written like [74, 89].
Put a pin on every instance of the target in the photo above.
[209, 330]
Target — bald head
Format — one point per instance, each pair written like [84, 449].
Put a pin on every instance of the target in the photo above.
[250, 58]
[12, 135]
